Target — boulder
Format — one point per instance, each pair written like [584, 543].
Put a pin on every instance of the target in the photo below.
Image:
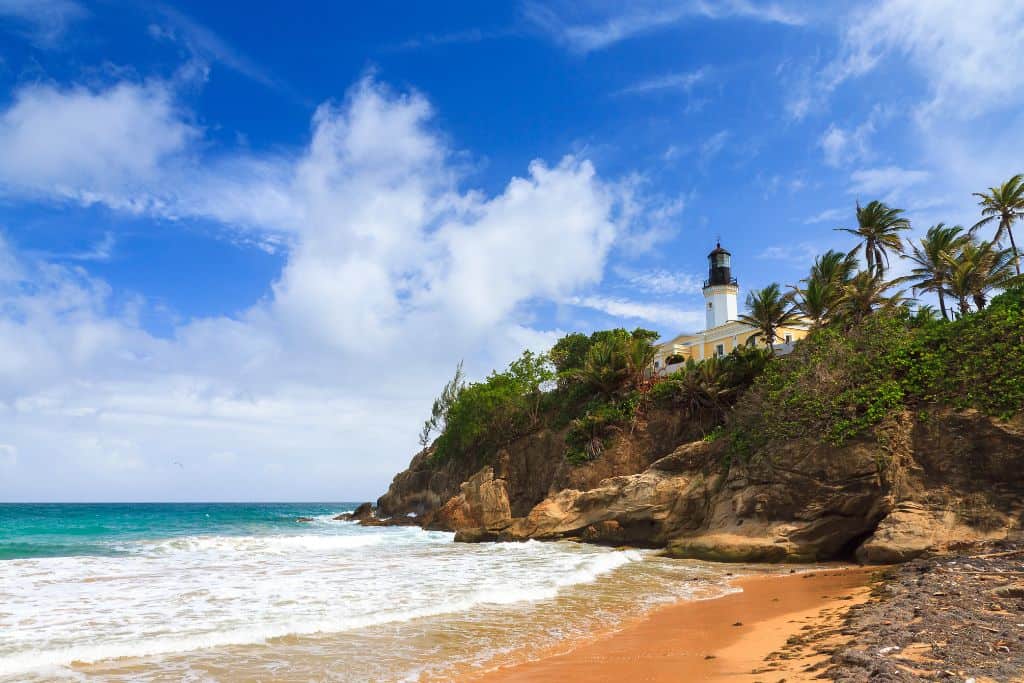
[362, 513]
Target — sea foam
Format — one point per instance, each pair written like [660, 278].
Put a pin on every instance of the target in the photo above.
[197, 592]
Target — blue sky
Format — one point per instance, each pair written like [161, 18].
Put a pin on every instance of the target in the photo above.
[256, 243]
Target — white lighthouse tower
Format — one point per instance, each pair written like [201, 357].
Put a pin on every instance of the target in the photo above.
[720, 289]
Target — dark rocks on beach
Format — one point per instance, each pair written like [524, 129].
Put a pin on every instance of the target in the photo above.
[303, 519]
[943, 617]
[475, 535]
[363, 512]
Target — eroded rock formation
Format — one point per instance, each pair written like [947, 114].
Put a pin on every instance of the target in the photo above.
[917, 482]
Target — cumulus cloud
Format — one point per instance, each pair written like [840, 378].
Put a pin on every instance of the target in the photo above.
[393, 273]
[91, 145]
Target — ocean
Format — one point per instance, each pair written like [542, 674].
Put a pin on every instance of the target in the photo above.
[246, 592]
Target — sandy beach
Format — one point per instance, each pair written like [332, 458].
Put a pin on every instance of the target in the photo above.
[740, 637]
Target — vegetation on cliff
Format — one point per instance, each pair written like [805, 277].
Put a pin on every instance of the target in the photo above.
[843, 379]
[872, 351]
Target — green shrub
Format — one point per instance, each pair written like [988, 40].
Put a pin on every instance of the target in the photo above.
[590, 433]
[839, 383]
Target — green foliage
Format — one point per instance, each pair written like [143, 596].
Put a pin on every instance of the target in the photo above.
[839, 382]
[586, 382]
[443, 405]
[589, 434]
[486, 415]
[614, 362]
[768, 310]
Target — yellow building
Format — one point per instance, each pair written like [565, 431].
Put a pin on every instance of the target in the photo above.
[723, 331]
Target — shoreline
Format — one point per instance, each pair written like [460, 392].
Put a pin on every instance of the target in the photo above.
[772, 628]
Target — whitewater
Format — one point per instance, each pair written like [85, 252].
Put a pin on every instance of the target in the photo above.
[248, 591]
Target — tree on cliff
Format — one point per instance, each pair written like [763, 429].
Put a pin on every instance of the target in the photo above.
[878, 227]
[977, 269]
[1005, 204]
[932, 260]
[867, 293]
[443, 405]
[822, 289]
[768, 310]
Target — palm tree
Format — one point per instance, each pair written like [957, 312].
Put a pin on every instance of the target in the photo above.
[606, 367]
[768, 310]
[1003, 203]
[700, 388]
[823, 287]
[931, 258]
[833, 266]
[878, 228]
[815, 301]
[978, 268]
[867, 293]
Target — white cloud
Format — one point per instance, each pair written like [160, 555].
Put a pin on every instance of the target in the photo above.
[44, 21]
[683, 81]
[207, 47]
[393, 274]
[662, 281]
[803, 252]
[886, 182]
[668, 316]
[843, 146]
[8, 455]
[101, 251]
[964, 52]
[828, 216]
[713, 146]
[471, 35]
[584, 29]
[90, 145]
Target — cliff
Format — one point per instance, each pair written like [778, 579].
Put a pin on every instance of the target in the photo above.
[876, 439]
[916, 482]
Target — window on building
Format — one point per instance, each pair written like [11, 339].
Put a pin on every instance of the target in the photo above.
[720, 350]
[789, 339]
[709, 305]
[657, 365]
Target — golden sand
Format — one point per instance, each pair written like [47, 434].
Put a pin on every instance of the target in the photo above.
[740, 637]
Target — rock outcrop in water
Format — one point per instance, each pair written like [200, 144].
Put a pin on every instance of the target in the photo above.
[916, 482]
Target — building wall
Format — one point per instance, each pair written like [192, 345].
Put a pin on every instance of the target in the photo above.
[705, 344]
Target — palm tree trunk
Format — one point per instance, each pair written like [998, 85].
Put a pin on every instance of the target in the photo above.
[1013, 246]
[869, 254]
[980, 301]
[942, 305]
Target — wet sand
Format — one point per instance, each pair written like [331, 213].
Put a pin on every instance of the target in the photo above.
[740, 637]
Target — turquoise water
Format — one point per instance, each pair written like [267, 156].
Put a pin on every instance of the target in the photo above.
[106, 529]
[240, 592]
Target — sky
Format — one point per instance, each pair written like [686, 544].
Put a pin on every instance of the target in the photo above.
[241, 252]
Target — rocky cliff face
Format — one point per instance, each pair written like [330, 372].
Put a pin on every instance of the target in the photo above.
[529, 469]
[918, 482]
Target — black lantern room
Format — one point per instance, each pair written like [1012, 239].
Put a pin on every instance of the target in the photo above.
[719, 267]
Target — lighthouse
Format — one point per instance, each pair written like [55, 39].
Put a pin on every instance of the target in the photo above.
[720, 289]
